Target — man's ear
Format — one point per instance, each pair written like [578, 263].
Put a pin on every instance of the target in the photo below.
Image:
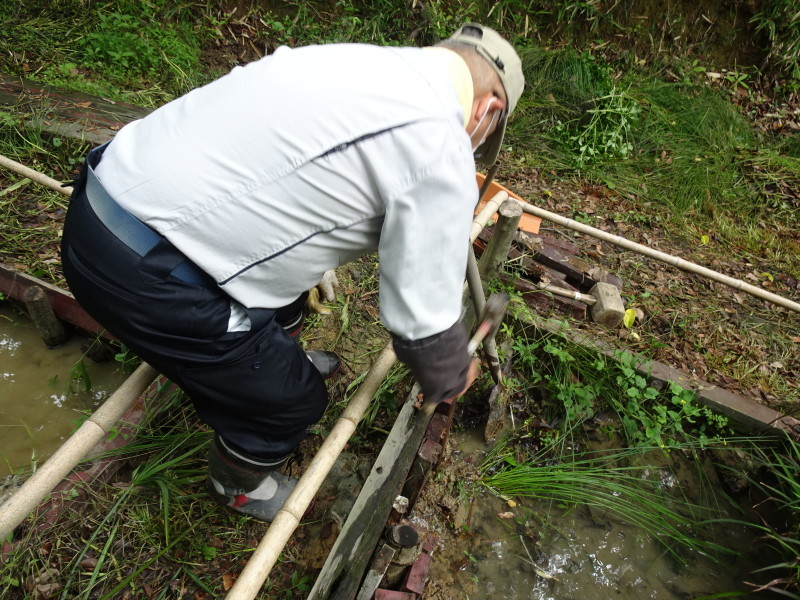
[480, 104]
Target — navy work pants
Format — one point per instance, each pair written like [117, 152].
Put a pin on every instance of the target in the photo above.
[257, 388]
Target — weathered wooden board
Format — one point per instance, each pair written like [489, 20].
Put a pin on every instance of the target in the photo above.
[349, 558]
[69, 114]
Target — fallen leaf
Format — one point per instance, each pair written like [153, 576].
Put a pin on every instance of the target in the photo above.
[227, 581]
[629, 318]
[46, 590]
[776, 365]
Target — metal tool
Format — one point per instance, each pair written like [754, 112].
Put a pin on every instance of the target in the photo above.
[490, 319]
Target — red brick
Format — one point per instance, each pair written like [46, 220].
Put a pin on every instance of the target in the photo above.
[417, 575]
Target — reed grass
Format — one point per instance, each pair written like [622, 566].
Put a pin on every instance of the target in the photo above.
[622, 484]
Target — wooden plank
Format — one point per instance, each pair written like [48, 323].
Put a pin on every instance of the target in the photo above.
[559, 260]
[558, 243]
[65, 113]
[341, 575]
[376, 572]
[14, 285]
[543, 302]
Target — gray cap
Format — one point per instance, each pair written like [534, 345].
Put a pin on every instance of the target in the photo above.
[507, 64]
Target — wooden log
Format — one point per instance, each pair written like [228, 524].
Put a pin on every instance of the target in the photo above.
[494, 257]
[69, 114]
[41, 313]
[409, 548]
[14, 284]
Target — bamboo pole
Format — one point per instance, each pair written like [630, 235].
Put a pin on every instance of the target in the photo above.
[79, 444]
[489, 209]
[680, 263]
[288, 518]
[35, 176]
[669, 259]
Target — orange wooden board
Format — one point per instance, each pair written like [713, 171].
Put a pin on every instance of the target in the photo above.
[528, 223]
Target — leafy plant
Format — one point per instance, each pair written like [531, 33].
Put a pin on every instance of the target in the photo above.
[779, 20]
[608, 133]
[584, 383]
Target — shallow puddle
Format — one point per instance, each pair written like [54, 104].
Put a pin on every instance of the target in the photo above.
[577, 556]
[39, 404]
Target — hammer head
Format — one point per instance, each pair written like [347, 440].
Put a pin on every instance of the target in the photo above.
[490, 318]
[495, 309]
[609, 308]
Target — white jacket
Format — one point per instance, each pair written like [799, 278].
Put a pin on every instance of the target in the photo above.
[303, 161]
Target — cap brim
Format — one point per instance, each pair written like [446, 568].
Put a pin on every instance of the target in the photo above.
[487, 152]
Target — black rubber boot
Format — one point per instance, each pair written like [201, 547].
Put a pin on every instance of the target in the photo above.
[327, 363]
[246, 484]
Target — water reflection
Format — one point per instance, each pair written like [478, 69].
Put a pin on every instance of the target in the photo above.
[40, 403]
[554, 553]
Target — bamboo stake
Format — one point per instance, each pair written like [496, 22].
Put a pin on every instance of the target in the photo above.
[288, 518]
[680, 263]
[79, 444]
[35, 176]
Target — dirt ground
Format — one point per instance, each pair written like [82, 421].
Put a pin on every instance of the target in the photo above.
[674, 326]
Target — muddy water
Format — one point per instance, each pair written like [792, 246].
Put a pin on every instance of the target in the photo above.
[39, 406]
[559, 556]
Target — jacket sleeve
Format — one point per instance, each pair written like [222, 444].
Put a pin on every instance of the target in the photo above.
[423, 257]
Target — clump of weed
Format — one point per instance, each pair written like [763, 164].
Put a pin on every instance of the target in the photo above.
[779, 514]
[579, 383]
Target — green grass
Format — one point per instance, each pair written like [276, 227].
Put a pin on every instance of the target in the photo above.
[107, 49]
[781, 514]
[621, 485]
